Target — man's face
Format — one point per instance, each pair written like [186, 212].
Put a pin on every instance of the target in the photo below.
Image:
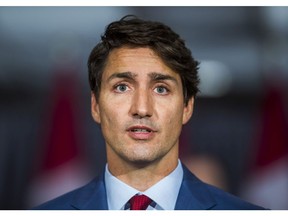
[140, 108]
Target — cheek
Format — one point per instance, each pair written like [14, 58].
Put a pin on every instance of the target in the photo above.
[108, 118]
[171, 112]
[109, 125]
[172, 119]
[111, 115]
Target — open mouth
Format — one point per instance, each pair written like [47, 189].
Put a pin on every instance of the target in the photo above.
[140, 132]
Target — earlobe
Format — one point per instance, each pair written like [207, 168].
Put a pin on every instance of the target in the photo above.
[95, 108]
[188, 110]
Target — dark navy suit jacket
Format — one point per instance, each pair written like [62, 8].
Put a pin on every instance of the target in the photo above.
[193, 195]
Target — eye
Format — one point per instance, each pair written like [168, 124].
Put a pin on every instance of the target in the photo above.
[161, 90]
[121, 88]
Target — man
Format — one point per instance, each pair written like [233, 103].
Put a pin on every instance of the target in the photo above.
[143, 81]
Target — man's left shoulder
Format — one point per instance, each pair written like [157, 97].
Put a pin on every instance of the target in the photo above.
[227, 201]
[201, 195]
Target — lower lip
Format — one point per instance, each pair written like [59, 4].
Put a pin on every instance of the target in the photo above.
[141, 135]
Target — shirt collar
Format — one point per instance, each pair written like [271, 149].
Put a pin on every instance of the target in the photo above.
[164, 192]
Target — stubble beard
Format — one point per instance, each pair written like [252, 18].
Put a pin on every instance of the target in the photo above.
[141, 157]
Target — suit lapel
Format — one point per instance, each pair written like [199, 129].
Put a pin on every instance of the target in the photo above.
[93, 196]
[193, 194]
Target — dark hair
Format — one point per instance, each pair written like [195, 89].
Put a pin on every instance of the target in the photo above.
[134, 32]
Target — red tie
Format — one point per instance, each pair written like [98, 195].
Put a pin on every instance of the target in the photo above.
[139, 202]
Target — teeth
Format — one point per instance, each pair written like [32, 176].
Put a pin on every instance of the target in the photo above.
[140, 130]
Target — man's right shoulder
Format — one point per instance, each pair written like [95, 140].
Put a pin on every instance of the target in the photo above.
[62, 202]
[78, 198]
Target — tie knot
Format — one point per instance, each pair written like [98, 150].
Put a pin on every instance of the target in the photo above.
[139, 202]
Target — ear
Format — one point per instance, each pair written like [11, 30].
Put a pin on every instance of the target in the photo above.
[188, 110]
[95, 108]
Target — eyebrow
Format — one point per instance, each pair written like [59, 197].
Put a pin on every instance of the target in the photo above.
[126, 75]
[159, 77]
[154, 76]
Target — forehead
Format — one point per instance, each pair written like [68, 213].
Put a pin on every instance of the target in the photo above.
[124, 54]
[136, 60]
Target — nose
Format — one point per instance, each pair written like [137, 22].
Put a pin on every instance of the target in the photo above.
[142, 104]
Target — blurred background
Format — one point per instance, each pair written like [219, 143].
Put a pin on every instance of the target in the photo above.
[237, 138]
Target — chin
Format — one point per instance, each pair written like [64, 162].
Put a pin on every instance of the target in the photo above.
[142, 160]
[140, 163]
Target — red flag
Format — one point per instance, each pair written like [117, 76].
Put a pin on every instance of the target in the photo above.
[61, 162]
[268, 182]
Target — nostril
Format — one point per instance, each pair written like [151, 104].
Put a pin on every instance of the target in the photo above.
[140, 116]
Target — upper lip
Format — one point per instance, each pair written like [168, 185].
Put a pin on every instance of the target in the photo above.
[143, 127]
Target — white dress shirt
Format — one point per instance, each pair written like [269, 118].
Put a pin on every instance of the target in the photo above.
[164, 193]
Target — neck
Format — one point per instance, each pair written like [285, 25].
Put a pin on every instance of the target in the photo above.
[142, 175]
